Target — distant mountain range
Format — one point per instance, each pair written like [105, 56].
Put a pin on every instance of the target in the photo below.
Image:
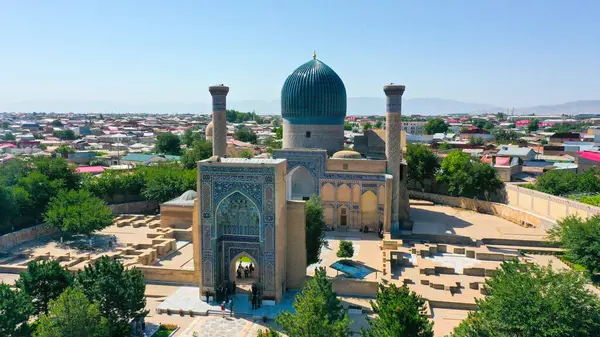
[356, 106]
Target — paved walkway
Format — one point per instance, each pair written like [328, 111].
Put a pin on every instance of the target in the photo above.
[187, 298]
[221, 327]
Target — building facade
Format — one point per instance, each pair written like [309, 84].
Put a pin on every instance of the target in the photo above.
[256, 207]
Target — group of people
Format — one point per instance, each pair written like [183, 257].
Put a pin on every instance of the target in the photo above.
[245, 271]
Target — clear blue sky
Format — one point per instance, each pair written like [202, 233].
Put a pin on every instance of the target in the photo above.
[507, 53]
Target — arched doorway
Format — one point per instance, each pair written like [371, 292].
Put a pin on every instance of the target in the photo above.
[301, 184]
[245, 271]
[343, 217]
[368, 210]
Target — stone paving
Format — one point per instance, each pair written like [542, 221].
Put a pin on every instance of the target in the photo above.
[221, 327]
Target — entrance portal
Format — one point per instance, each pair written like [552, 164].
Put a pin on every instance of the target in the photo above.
[244, 271]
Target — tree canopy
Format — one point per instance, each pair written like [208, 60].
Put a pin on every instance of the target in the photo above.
[168, 143]
[422, 163]
[78, 211]
[15, 309]
[319, 313]
[118, 291]
[467, 177]
[436, 125]
[200, 150]
[367, 126]
[245, 135]
[529, 300]
[346, 249]
[315, 225]
[72, 314]
[190, 136]
[581, 239]
[234, 116]
[9, 136]
[164, 182]
[65, 134]
[533, 125]
[399, 313]
[563, 182]
[43, 281]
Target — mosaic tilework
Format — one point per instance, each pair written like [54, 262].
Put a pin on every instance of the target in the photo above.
[238, 216]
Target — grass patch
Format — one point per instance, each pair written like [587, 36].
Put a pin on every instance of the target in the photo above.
[165, 330]
[244, 259]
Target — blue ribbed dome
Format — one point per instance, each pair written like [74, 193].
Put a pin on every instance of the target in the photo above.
[313, 94]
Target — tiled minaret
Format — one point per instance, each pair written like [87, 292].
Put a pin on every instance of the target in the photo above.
[393, 152]
[219, 120]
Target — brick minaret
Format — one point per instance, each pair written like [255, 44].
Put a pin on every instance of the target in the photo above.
[219, 104]
[393, 149]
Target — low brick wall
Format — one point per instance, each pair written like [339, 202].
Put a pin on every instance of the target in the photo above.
[160, 274]
[546, 205]
[355, 287]
[18, 237]
[510, 213]
[134, 207]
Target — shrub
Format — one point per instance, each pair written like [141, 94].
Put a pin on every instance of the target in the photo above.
[346, 249]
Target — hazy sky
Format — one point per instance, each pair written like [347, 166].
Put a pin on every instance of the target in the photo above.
[506, 53]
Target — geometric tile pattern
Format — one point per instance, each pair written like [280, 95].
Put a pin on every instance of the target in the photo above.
[246, 191]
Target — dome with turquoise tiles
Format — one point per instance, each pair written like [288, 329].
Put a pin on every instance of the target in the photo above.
[313, 94]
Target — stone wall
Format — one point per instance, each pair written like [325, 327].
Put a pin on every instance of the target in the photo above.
[176, 216]
[546, 205]
[18, 237]
[355, 287]
[134, 207]
[296, 244]
[511, 213]
[161, 274]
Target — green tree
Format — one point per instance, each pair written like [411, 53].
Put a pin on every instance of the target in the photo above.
[200, 150]
[319, 313]
[57, 169]
[315, 226]
[467, 177]
[557, 182]
[9, 137]
[588, 182]
[245, 153]
[36, 191]
[400, 313]
[436, 125]
[43, 281]
[78, 211]
[529, 300]
[245, 135]
[347, 126]
[379, 124]
[72, 314]
[13, 170]
[279, 133]
[168, 143]
[15, 309]
[5, 125]
[268, 333]
[367, 126]
[533, 125]
[65, 134]
[581, 240]
[57, 123]
[345, 249]
[422, 163]
[444, 146]
[118, 291]
[506, 137]
[276, 122]
[166, 181]
[8, 209]
[64, 150]
[190, 136]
